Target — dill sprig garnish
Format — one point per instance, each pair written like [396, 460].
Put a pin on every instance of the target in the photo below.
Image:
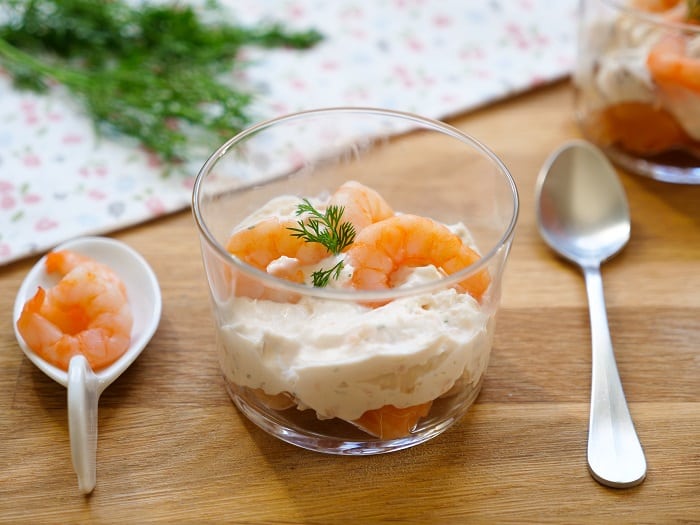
[161, 73]
[327, 229]
[324, 228]
[321, 278]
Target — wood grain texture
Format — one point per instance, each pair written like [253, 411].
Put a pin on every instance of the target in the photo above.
[173, 448]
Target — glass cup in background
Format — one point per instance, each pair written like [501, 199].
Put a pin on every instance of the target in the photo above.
[637, 79]
[310, 365]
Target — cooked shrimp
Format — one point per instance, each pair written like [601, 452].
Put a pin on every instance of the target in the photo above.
[655, 6]
[362, 205]
[383, 248]
[272, 239]
[670, 64]
[270, 246]
[87, 312]
[269, 240]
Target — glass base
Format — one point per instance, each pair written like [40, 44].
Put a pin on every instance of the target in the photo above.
[335, 436]
[673, 167]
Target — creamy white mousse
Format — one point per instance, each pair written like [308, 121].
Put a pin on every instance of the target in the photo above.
[341, 358]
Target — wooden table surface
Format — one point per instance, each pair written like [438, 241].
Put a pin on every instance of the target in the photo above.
[172, 447]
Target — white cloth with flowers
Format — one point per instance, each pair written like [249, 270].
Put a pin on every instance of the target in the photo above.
[437, 58]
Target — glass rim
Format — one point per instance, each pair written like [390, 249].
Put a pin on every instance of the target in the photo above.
[651, 17]
[340, 293]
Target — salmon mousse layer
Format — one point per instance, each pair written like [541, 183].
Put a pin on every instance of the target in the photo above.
[380, 366]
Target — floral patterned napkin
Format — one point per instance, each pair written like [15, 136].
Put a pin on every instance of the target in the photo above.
[437, 58]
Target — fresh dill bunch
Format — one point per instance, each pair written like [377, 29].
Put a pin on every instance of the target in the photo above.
[324, 228]
[321, 278]
[157, 72]
[327, 229]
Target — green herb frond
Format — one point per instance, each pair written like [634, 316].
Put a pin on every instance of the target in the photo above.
[154, 71]
[321, 278]
[324, 228]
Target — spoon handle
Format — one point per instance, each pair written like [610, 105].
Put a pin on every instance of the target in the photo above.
[615, 455]
[83, 396]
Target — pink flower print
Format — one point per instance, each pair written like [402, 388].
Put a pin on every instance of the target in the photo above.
[404, 76]
[542, 40]
[280, 108]
[537, 80]
[295, 11]
[153, 160]
[188, 183]
[31, 160]
[516, 32]
[28, 108]
[45, 224]
[472, 53]
[155, 206]
[5, 251]
[429, 80]
[31, 198]
[450, 98]
[97, 195]
[7, 202]
[441, 20]
[55, 117]
[99, 171]
[6, 186]
[297, 83]
[296, 159]
[329, 65]
[414, 44]
[71, 138]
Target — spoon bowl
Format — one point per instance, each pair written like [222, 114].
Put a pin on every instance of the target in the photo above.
[85, 385]
[583, 215]
[582, 209]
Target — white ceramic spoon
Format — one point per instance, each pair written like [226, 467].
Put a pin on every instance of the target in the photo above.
[84, 385]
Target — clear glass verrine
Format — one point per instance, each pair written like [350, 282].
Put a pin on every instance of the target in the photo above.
[342, 369]
[637, 80]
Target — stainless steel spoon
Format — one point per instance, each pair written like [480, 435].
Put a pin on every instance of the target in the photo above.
[583, 215]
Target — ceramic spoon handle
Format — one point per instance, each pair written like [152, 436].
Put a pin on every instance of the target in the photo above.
[82, 421]
[615, 455]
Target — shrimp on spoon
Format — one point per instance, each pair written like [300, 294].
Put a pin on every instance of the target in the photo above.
[84, 330]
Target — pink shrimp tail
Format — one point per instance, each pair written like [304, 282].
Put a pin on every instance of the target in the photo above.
[669, 64]
[39, 334]
[64, 261]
